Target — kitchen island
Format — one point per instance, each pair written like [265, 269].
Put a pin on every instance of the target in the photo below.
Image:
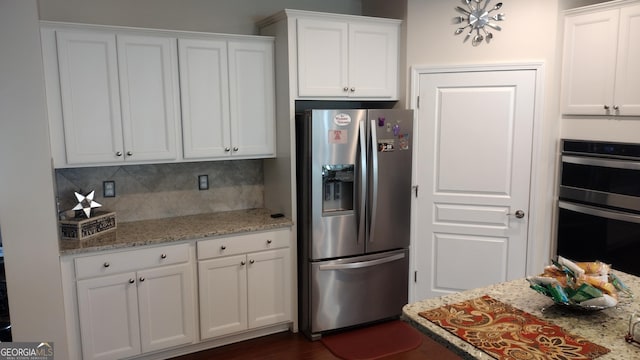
[605, 327]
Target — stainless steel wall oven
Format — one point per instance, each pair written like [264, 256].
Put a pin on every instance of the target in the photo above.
[599, 203]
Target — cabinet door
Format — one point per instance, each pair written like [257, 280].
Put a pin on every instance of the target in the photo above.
[252, 98]
[322, 58]
[204, 87]
[108, 312]
[269, 284]
[148, 69]
[588, 80]
[627, 90]
[223, 296]
[90, 96]
[167, 311]
[373, 60]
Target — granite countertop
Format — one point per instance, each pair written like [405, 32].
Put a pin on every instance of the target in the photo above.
[605, 327]
[149, 232]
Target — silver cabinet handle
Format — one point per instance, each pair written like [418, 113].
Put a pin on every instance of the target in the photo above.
[616, 107]
[353, 89]
[141, 278]
[251, 261]
[163, 256]
[118, 153]
[223, 247]
[242, 262]
[129, 153]
[106, 264]
[269, 241]
[235, 148]
[131, 281]
[227, 149]
[606, 107]
[346, 88]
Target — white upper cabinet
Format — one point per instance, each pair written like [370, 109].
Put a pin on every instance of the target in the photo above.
[252, 98]
[88, 70]
[228, 97]
[204, 81]
[323, 58]
[149, 96]
[601, 53]
[627, 89]
[134, 96]
[119, 97]
[347, 58]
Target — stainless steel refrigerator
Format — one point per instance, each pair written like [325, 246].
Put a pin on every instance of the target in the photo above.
[354, 192]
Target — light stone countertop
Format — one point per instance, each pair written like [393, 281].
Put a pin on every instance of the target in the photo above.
[149, 232]
[605, 327]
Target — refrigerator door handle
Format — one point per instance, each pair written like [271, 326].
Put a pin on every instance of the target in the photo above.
[374, 178]
[362, 264]
[363, 182]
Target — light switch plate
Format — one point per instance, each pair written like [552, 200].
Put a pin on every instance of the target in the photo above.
[109, 188]
[203, 182]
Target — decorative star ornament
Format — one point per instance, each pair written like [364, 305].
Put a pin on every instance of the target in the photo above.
[86, 203]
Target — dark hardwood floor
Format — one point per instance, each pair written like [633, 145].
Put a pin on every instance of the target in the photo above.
[287, 345]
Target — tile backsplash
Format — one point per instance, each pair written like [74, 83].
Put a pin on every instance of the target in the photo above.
[166, 190]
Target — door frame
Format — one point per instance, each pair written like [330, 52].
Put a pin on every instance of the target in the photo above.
[532, 265]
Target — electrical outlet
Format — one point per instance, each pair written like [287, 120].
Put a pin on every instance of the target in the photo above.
[109, 189]
[203, 182]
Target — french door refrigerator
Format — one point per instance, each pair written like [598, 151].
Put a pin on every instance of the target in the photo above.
[354, 192]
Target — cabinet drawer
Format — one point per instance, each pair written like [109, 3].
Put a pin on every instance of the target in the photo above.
[113, 263]
[241, 244]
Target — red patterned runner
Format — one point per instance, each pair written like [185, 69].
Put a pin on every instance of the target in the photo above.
[505, 332]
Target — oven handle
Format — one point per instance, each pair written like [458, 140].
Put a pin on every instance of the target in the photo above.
[591, 210]
[610, 163]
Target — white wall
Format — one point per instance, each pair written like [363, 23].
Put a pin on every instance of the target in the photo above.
[27, 208]
[529, 34]
[223, 16]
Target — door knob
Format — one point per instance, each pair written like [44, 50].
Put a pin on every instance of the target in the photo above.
[519, 214]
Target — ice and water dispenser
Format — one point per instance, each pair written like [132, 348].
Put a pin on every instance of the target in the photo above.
[337, 188]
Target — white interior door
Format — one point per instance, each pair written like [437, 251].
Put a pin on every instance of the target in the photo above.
[475, 131]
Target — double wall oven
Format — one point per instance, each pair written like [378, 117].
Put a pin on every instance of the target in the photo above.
[599, 203]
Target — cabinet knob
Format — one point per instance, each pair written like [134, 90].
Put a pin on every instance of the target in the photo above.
[118, 153]
[269, 241]
[227, 149]
[346, 88]
[163, 256]
[616, 107]
[223, 247]
[353, 89]
[242, 262]
[251, 261]
[141, 278]
[606, 107]
[519, 214]
[235, 148]
[106, 264]
[131, 281]
[129, 153]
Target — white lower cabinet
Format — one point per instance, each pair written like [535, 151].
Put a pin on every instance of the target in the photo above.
[244, 282]
[143, 303]
[135, 302]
